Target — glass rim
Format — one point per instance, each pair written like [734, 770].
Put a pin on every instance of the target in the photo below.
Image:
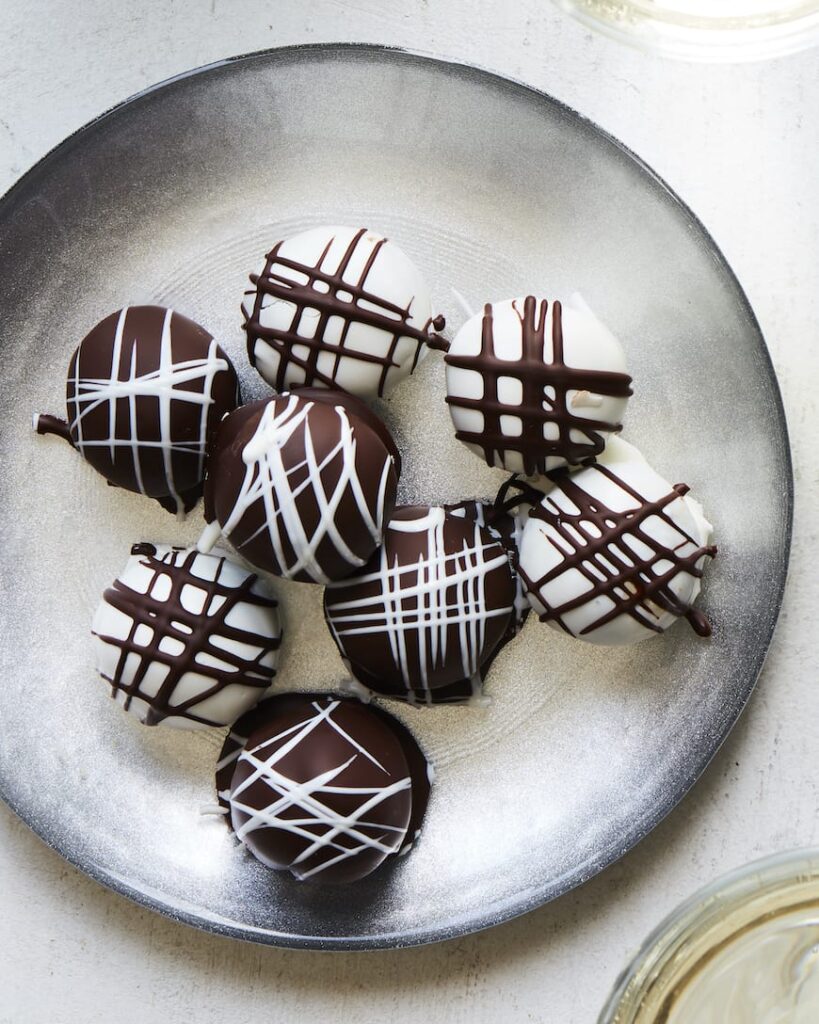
[755, 878]
[695, 37]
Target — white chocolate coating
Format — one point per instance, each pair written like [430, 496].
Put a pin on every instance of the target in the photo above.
[588, 345]
[544, 549]
[218, 638]
[365, 359]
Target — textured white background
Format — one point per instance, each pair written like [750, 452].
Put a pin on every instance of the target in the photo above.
[741, 145]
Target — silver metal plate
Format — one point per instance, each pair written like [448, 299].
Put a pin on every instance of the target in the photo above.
[495, 190]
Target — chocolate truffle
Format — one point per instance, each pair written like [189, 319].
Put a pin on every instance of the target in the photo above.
[301, 485]
[145, 391]
[323, 788]
[533, 386]
[614, 554]
[340, 308]
[430, 606]
[420, 770]
[186, 639]
[506, 529]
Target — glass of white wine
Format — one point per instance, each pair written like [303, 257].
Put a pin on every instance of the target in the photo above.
[744, 950]
[706, 29]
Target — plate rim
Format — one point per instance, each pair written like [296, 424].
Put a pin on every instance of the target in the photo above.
[593, 865]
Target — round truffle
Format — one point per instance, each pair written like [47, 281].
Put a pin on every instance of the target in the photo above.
[186, 639]
[533, 386]
[341, 308]
[260, 717]
[614, 554]
[146, 389]
[301, 485]
[506, 529]
[430, 606]
[323, 788]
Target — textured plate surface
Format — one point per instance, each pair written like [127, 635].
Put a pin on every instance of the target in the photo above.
[495, 190]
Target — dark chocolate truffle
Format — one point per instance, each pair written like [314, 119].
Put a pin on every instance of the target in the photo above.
[420, 770]
[322, 788]
[340, 308]
[186, 639]
[506, 529]
[145, 391]
[430, 606]
[301, 485]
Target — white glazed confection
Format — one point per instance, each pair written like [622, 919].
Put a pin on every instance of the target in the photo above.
[534, 385]
[186, 639]
[614, 554]
[338, 307]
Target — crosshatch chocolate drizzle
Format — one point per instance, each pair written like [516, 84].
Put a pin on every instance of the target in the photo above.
[545, 394]
[168, 617]
[388, 316]
[591, 543]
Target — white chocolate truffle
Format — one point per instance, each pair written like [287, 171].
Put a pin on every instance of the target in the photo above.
[614, 554]
[533, 385]
[186, 639]
[341, 308]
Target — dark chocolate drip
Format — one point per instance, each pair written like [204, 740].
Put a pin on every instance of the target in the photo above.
[195, 631]
[538, 407]
[46, 424]
[387, 316]
[436, 341]
[699, 622]
[505, 502]
[591, 542]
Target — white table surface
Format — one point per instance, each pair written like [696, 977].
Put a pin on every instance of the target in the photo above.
[741, 145]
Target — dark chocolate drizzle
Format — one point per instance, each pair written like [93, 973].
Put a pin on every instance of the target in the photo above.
[512, 493]
[48, 424]
[169, 618]
[537, 407]
[328, 304]
[630, 582]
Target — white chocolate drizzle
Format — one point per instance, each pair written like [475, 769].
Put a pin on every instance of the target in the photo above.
[418, 603]
[168, 383]
[269, 479]
[329, 837]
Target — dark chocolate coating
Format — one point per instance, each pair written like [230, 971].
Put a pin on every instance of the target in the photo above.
[252, 721]
[496, 517]
[358, 408]
[421, 776]
[428, 603]
[298, 492]
[464, 691]
[144, 395]
[266, 711]
[325, 786]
